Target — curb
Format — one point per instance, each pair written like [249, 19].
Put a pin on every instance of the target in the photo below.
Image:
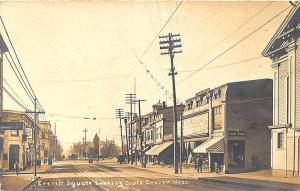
[30, 184]
[12, 173]
[291, 187]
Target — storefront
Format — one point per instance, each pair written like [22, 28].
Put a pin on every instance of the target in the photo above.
[189, 144]
[212, 154]
[149, 156]
[236, 154]
[162, 153]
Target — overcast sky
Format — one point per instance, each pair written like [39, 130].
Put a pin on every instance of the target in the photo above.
[82, 58]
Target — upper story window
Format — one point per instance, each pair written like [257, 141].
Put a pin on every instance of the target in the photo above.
[189, 104]
[217, 117]
[217, 110]
[43, 135]
[207, 98]
[14, 133]
[199, 101]
[216, 94]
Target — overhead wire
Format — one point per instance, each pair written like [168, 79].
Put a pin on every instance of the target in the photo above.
[235, 30]
[15, 53]
[225, 65]
[19, 79]
[14, 99]
[156, 36]
[10, 87]
[234, 45]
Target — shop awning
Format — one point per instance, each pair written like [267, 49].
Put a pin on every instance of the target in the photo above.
[162, 147]
[152, 149]
[214, 145]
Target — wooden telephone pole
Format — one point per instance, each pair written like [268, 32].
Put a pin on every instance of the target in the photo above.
[169, 43]
[140, 132]
[35, 113]
[120, 116]
[85, 146]
[130, 99]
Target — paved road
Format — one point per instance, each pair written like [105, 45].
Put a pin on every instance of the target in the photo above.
[79, 175]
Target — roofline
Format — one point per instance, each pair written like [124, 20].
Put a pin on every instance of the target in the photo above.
[279, 30]
[228, 83]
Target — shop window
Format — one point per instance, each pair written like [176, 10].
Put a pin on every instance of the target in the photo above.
[280, 140]
[14, 133]
[236, 151]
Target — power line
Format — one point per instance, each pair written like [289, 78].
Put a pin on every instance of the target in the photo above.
[78, 117]
[155, 37]
[19, 77]
[234, 45]
[9, 86]
[14, 99]
[20, 63]
[225, 65]
[237, 29]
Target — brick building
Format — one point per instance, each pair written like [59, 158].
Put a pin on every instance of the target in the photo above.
[227, 126]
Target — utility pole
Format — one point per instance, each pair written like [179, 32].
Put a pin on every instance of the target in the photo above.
[82, 148]
[34, 131]
[127, 140]
[99, 150]
[120, 115]
[55, 141]
[169, 44]
[181, 136]
[85, 131]
[140, 132]
[130, 98]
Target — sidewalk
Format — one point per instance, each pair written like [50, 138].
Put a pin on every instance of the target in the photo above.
[259, 178]
[40, 169]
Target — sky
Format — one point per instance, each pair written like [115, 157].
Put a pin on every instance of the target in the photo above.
[81, 58]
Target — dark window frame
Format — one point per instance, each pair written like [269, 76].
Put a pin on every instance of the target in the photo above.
[280, 140]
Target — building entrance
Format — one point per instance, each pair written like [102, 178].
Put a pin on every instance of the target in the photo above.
[13, 155]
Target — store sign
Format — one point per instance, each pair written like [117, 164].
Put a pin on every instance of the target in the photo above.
[237, 133]
[195, 125]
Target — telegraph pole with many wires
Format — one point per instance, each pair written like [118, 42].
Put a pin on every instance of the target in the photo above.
[36, 113]
[169, 43]
[120, 115]
[130, 99]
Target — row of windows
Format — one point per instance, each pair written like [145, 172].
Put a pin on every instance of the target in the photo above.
[217, 110]
[202, 100]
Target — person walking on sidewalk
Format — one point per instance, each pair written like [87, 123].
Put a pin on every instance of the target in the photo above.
[17, 168]
[199, 164]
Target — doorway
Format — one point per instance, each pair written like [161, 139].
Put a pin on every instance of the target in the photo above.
[216, 162]
[13, 155]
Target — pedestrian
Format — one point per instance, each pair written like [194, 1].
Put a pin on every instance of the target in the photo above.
[17, 168]
[216, 167]
[199, 164]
